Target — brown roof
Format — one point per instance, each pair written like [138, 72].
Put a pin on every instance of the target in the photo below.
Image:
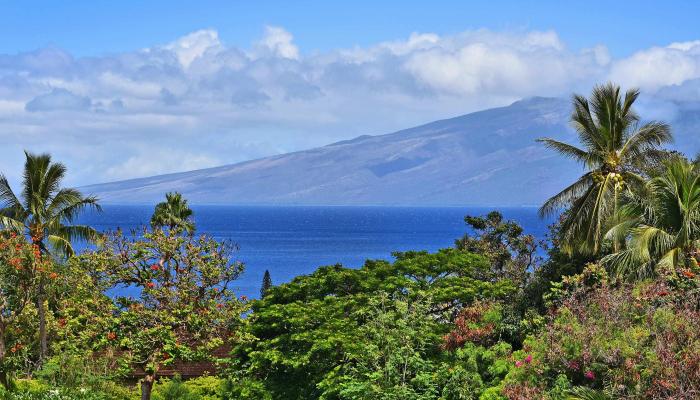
[188, 369]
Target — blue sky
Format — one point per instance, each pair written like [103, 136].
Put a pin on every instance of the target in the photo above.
[125, 89]
[98, 27]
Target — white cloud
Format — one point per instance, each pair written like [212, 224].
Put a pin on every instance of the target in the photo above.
[657, 67]
[278, 42]
[192, 46]
[195, 102]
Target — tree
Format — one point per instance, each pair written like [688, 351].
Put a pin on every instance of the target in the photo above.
[45, 213]
[173, 213]
[392, 361]
[18, 266]
[183, 308]
[266, 284]
[614, 147]
[512, 254]
[661, 224]
[305, 330]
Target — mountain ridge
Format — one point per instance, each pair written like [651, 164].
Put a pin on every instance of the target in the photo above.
[464, 160]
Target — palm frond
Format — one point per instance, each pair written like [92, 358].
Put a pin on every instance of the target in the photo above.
[646, 138]
[566, 196]
[570, 151]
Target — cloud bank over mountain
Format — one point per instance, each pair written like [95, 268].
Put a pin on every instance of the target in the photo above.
[196, 102]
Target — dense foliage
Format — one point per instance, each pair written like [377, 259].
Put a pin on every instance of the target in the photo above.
[607, 307]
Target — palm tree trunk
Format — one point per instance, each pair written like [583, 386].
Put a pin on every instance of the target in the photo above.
[41, 312]
[616, 243]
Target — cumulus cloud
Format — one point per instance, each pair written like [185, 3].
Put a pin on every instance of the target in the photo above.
[278, 42]
[192, 46]
[196, 102]
[658, 67]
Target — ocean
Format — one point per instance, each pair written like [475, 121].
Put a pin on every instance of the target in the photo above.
[292, 241]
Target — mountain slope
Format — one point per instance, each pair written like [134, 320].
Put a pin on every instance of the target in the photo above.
[488, 157]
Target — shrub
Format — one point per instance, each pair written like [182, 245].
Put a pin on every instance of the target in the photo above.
[636, 341]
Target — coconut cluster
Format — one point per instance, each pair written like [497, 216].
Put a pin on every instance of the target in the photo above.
[598, 177]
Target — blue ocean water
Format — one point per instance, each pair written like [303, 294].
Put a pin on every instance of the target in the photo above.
[291, 241]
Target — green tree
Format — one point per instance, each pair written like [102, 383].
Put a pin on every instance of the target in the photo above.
[45, 212]
[615, 147]
[392, 361]
[183, 308]
[18, 265]
[512, 254]
[305, 330]
[173, 213]
[266, 284]
[661, 224]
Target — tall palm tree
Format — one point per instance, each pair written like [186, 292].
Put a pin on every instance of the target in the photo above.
[173, 213]
[614, 147]
[661, 223]
[44, 211]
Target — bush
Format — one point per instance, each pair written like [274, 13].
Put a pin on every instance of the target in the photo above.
[35, 390]
[635, 341]
[202, 388]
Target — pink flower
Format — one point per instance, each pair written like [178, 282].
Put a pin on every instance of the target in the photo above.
[589, 374]
[528, 359]
[518, 364]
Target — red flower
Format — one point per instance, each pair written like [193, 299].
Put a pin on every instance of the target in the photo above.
[662, 293]
[219, 305]
[151, 285]
[155, 267]
[589, 374]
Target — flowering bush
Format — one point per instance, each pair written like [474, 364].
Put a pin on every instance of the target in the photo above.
[635, 341]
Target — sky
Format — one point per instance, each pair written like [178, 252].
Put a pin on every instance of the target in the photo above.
[119, 90]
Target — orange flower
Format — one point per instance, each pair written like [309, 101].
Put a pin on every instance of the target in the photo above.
[688, 274]
[53, 275]
[111, 336]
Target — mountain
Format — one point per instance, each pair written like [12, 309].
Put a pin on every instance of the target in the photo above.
[484, 158]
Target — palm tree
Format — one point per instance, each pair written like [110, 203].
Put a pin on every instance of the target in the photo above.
[661, 223]
[614, 148]
[173, 213]
[44, 211]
